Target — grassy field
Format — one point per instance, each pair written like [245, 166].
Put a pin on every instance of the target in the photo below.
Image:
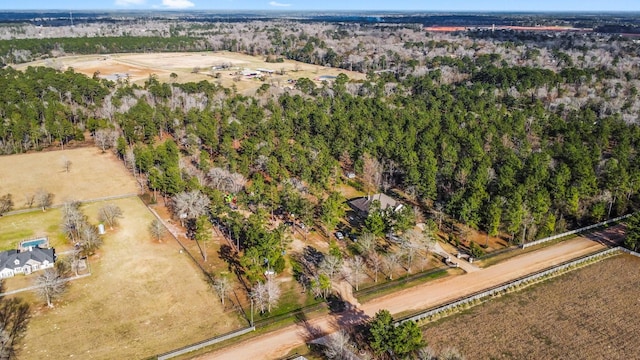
[143, 298]
[92, 175]
[595, 319]
[140, 66]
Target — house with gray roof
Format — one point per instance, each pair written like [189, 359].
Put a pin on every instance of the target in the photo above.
[14, 262]
[362, 205]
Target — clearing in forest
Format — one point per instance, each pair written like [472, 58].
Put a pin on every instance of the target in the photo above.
[138, 67]
[592, 320]
[92, 175]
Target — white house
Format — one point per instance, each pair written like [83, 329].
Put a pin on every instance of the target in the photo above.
[13, 262]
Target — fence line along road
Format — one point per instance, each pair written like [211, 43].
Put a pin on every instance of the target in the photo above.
[205, 343]
[512, 284]
[576, 231]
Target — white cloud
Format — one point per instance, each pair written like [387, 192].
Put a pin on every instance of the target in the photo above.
[275, 3]
[177, 4]
[129, 2]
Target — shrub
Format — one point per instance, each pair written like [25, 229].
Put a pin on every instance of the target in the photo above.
[475, 250]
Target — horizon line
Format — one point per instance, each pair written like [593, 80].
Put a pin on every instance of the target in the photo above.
[334, 10]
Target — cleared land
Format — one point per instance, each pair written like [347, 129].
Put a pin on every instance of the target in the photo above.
[143, 298]
[92, 175]
[590, 313]
[138, 67]
[279, 343]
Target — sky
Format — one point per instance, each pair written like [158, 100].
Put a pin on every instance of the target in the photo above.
[298, 5]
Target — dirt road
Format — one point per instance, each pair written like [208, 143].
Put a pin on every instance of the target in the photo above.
[278, 343]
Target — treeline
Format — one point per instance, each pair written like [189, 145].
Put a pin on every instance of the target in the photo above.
[41, 105]
[492, 159]
[32, 49]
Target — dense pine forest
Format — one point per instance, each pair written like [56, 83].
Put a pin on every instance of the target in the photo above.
[506, 132]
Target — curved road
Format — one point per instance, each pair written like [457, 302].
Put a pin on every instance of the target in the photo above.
[279, 343]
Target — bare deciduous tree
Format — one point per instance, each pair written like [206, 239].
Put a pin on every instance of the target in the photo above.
[109, 214]
[43, 199]
[321, 286]
[29, 199]
[236, 182]
[409, 252]
[190, 205]
[266, 294]
[338, 345]
[372, 171]
[78, 230]
[330, 266]
[72, 220]
[356, 265]
[216, 177]
[6, 203]
[50, 285]
[105, 138]
[222, 286]
[390, 263]
[90, 240]
[157, 229]
[367, 243]
[375, 263]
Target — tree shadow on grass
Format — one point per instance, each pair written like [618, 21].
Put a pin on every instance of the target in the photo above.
[232, 259]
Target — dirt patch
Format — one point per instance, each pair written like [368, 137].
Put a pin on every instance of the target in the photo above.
[594, 320]
[92, 175]
[143, 298]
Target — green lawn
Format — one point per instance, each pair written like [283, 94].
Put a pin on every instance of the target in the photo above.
[15, 228]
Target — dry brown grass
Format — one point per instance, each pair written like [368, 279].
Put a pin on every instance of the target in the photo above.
[140, 66]
[143, 298]
[92, 175]
[590, 313]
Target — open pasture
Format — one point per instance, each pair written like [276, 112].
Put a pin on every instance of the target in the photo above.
[92, 175]
[590, 313]
[143, 298]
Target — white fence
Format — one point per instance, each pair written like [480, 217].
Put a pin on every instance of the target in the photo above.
[576, 231]
[205, 343]
[510, 285]
[630, 252]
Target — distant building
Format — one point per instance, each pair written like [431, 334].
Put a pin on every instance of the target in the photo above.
[14, 262]
[250, 73]
[362, 205]
[267, 71]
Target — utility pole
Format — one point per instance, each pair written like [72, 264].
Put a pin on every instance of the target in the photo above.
[251, 311]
